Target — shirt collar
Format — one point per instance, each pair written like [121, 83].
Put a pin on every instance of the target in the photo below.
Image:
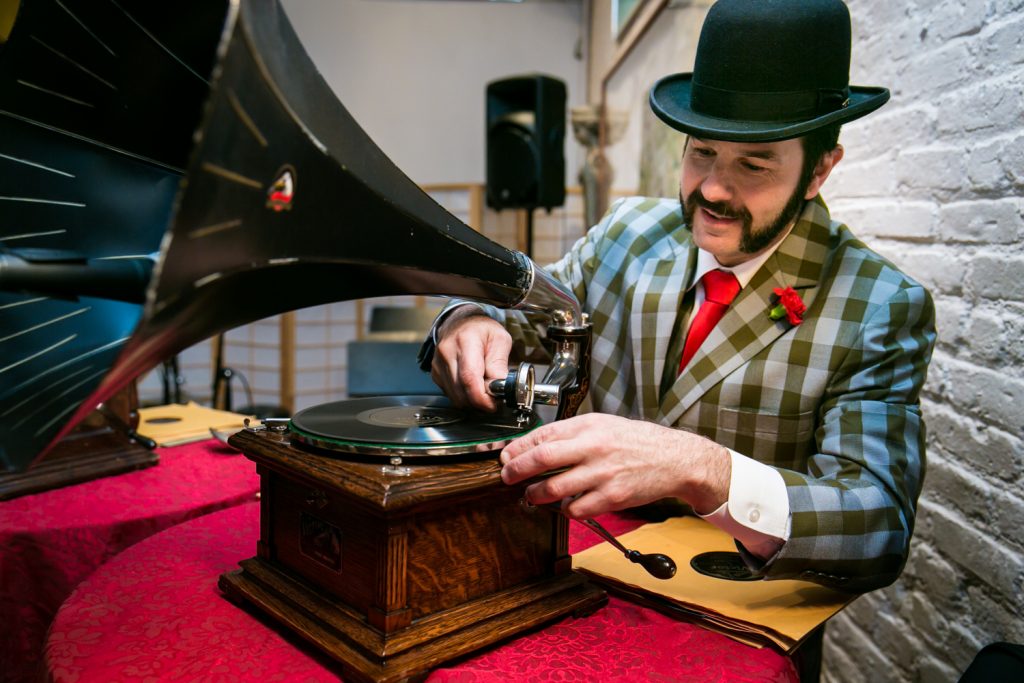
[744, 272]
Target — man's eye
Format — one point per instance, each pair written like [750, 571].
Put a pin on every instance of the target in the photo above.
[702, 152]
[754, 168]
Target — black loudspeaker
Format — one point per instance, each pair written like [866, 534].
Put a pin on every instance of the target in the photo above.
[526, 142]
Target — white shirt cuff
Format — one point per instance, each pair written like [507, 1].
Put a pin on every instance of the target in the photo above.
[757, 512]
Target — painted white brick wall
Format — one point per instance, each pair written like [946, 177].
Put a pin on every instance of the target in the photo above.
[934, 181]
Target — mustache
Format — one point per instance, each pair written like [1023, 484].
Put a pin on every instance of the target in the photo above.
[723, 209]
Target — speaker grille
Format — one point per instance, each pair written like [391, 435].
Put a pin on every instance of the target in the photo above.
[526, 142]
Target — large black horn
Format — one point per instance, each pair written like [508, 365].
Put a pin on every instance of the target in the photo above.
[188, 155]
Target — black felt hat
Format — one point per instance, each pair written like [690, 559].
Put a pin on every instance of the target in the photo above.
[767, 70]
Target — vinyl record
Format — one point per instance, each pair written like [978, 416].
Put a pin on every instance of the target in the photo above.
[722, 565]
[405, 426]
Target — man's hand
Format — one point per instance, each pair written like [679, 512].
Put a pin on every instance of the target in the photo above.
[615, 463]
[472, 349]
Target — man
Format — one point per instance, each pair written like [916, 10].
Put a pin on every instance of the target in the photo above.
[752, 358]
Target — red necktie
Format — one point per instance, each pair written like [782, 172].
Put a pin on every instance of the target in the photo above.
[720, 288]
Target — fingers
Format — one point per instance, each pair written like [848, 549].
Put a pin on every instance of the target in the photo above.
[567, 487]
[475, 373]
[549, 447]
[588, 505]
[562, 429]
[584, 490]
[443, 373]
[551, 455]
[496, 353]
[473, 351]
[600, 462]
[469, 373]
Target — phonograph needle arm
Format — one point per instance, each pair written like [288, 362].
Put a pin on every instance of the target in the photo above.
[567, 380]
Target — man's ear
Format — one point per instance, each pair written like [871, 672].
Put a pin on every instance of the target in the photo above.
[825, 165]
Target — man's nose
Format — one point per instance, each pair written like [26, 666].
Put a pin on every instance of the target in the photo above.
[716, 186]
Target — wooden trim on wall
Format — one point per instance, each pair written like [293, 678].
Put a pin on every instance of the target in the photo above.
[216, 349]
[643, 20]
[447, 187]
[476, 207]
[638, 24]
[360, 318]
[521, 230]
[288, 361]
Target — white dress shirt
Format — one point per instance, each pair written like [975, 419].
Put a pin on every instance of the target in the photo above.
[757, 511]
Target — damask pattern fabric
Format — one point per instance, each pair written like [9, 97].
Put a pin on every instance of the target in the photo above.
[833, 403]
[155, 613]
[51, 541]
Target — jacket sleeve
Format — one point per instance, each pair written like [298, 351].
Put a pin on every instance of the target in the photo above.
[852, 511]
[573, 270]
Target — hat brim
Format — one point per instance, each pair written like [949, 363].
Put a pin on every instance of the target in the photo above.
[670, 100]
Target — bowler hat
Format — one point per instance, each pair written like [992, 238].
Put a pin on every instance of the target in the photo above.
[767, 70]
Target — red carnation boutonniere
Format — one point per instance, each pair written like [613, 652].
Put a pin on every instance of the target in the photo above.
[789, 306]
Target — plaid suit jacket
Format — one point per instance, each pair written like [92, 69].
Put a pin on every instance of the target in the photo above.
[831, 403]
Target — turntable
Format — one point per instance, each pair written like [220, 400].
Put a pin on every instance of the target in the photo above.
[407, 427]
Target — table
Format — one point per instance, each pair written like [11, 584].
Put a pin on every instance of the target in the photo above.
[51, 541]
[154, 612]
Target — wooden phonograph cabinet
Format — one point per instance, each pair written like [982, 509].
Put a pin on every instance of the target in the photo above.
[394, 570]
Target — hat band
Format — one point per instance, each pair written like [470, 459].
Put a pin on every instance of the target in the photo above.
[796, 105]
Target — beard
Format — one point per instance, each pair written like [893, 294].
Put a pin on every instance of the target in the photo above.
[751, 241]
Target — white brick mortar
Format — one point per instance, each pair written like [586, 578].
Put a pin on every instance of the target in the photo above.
[934, 181]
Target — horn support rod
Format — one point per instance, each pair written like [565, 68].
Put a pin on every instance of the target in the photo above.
[66, 275]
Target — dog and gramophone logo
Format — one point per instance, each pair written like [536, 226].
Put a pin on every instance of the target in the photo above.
[282, 190]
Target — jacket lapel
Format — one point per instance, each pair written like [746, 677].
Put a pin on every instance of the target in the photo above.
[746, 329]
[655, 304]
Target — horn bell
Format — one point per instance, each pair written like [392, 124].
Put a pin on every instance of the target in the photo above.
[221, 161]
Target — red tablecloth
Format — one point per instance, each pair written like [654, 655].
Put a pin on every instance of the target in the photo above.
[50, 542]
[154, 613]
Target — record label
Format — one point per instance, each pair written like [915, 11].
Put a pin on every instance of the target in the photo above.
[406, 417]
[722, 565]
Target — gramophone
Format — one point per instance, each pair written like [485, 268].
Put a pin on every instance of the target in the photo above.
[171, 171]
